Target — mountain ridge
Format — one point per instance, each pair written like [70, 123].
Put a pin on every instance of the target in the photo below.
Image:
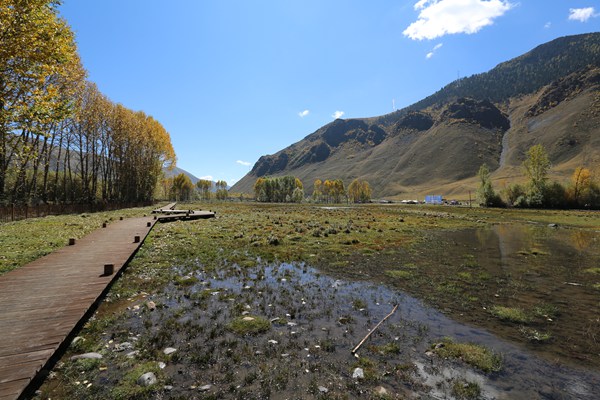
[444, 138]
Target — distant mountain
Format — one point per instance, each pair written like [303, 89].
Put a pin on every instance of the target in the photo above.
[550, 95]
[176, 171]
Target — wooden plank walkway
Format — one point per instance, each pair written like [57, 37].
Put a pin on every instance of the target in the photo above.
[42, 302]
[166, 208]
[185, 215]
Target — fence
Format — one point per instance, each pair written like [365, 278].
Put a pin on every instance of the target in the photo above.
[16, 212]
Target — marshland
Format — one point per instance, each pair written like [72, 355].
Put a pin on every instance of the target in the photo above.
[269, 300]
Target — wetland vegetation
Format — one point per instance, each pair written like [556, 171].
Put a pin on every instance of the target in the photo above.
[268, 300]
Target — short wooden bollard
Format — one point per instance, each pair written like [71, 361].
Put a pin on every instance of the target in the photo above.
[155, 217]
[149, 224]
[71, 241]
[109, 269]
[104, 224]
[136, 239]
[120, 218]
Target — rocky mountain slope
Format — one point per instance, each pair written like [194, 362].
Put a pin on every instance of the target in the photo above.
[550, 95]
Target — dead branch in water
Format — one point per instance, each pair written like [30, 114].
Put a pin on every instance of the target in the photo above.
[374, 329]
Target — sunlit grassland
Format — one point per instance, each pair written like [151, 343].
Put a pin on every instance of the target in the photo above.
[24, 241]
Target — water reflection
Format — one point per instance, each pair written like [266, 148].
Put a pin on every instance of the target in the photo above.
[534, 268]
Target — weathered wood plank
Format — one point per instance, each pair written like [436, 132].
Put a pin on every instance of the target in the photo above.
[42, 302]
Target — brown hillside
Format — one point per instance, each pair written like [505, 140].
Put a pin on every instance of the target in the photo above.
[439, 149]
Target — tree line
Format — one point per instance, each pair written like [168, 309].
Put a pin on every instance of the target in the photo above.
[181, 188]
[581, 192]
[291, 190]
[61, 139]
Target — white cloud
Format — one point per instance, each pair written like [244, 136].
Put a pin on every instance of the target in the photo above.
[207, 177]
[244, 163]
[304, 113]
[338, 114]
[432, 52]
[548, 25]
[582, 14]
[444, 17]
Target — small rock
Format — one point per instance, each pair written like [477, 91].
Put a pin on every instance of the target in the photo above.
[248, 319]
[323, 389]
[161, 365]
[552, 225]
[151, 305]
[245, 312]
[205, 388]
[168, 388]
[429, 353]
[358, 374]
[148, 379]
[132, 354]
[123, 346]
[271, 341]
[292, 324]
[439, 345]
[78, 339]
[169, 350]
[87, 356]
[381, 391]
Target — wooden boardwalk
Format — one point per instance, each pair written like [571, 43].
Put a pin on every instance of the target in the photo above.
[42, 302]
[169, 213]
[185, 215]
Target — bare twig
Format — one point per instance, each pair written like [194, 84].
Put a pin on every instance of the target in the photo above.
[374, 329]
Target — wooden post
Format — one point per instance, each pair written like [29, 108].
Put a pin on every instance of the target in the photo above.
[136, 239]
[149, 224]
[71, 241]
[104, 224]
[109, 269]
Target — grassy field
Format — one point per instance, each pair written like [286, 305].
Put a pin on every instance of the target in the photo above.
[238, 297]
[27, 240]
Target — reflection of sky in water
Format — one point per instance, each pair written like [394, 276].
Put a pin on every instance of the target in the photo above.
[524, 376]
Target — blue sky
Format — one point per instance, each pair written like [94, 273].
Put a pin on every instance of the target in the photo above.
[232, 80]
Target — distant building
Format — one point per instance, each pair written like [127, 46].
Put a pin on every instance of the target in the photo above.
[434, 199]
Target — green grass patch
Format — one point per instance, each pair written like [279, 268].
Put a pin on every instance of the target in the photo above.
[511, 314]
[466, 276]
[595, 270]
[465, 390]
[128, 386]
[546, 311]
[186, 280]
[533, 335]
[473, 354]
[249, 325]
[399, 274]
[390, 348]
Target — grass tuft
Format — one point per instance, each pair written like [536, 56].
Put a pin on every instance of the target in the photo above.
[473, 354]
[399, 274]
[511, 314]
[249, 325]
